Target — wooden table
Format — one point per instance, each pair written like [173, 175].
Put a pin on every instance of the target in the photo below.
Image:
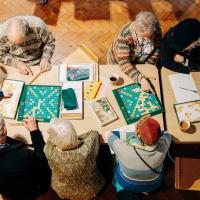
[89, 122]
[193, 135]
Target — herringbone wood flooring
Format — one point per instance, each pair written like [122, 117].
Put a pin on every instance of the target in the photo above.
[95, 23]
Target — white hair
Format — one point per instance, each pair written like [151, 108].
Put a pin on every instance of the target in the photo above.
[145, 22]
[17, 26]
[2, 125]
[63, 134]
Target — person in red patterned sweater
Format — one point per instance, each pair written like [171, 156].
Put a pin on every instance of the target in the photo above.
[138, 42]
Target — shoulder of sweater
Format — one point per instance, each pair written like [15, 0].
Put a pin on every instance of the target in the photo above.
[90, 134]
[126, 30]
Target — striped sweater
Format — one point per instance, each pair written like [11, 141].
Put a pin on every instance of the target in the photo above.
[132, 169]
[128, 49]
[39, 43]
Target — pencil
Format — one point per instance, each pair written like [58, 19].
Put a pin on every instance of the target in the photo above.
[188, 89]
[15, 124]
[150, 77]
[33, 79]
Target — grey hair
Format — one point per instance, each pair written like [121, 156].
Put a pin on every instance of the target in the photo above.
[145, 22]
[21, 24]
[63, 134]
[2, 125]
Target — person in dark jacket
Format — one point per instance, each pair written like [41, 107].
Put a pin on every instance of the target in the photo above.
[180, 47]
[24, 172]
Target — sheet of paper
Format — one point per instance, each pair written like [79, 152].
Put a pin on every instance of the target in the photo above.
[184, 87]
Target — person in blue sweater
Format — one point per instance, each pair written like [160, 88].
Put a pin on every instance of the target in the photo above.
[139, 159]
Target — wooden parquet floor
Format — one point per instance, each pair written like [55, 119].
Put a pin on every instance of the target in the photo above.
[95, 23]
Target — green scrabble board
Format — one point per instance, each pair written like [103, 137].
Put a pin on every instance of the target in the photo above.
[135, 103]
[40, 101]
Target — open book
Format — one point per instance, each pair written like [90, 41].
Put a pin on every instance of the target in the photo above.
[103, 111]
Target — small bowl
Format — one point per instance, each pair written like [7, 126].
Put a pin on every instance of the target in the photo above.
[184, 125]
[114, 79]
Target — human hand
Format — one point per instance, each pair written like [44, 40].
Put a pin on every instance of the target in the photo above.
[24, 69]
[178, 58]
[30, 123]
[45, 65]
[146, 87]
[7, 94]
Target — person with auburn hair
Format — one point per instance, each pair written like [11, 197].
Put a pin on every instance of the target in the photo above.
[139, 159]
[72, 159]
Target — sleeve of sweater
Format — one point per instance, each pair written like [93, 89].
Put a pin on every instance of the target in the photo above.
[167, 58]
[48, 42]
[37, 141]
[165, 141]
[117, 145]
[157, 42]
[5, 57]
[122, 53]
[194, 59]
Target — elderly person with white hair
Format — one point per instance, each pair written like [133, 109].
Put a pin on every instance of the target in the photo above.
[26, 41]
[138, 42]
[72, 159]
[24, 172]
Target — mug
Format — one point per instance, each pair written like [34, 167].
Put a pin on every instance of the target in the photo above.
[184, 124]
[114, 78]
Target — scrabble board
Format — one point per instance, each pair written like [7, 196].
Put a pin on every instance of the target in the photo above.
[134, 103]
[190, 110]
[9, 106]
[40, 101]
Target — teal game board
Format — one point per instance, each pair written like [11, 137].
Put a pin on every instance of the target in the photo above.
[134, 103]
[40, 101]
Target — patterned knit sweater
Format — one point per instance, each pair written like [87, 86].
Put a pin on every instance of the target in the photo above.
[128, 49]
[74, 172]
[39, 43]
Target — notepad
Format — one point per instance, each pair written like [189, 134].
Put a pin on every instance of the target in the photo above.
[184, 88]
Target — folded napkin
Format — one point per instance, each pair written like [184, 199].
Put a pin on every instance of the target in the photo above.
[69, 99]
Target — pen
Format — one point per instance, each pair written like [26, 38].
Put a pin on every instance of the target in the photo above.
[188, 89]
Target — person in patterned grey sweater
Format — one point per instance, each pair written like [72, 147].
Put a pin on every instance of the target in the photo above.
[26, 41]
[138, 42]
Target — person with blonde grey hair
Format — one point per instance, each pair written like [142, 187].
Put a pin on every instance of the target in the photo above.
[72, 159]
[24, 172]
[26, 41]
[138, 42]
